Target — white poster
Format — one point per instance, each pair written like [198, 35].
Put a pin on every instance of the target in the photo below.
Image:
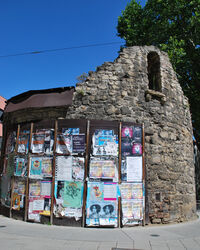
[110, 191]
[134, 168]
[64, 168]
[46, 188]
[38, 205]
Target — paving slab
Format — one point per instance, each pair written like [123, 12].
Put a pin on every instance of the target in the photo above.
[19, 235]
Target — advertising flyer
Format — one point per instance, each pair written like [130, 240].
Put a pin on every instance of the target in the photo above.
[132, 210]
[64, 144]
[19, 187]
[63, 168]
[102, 203]
[78, 168]
[46, 166]
[70, 131]
[45, 188]
[23, 143]
[36, 167]
[37, 144]
[20, 167]
[131, 191]
[48, 141]
[134, 169]
[137, 134]
[131, 143]
[105, 143]
[78, 143]
[102, 168]
[16, 201]
[73, 194]
[34, 189]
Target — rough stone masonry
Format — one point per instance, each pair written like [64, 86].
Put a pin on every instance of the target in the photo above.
[120, 90]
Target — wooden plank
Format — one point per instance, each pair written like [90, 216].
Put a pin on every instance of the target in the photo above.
[53, 172]
[27, 179]
[86, 172]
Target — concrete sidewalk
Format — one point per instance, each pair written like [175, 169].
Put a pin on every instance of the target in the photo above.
[20, 235]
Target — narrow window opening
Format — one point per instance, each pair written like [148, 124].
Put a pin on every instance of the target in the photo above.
[154, 71]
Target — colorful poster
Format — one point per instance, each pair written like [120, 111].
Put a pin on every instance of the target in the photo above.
[108, 169]
[137, 134]
[134, 169]
[73, 192]
[37, 144]
[64, 144]
[16, 201]
[78, 143]
[36, 167]
[137, 149]
[132, 210]
[131, 191]
[127, 132]
[78, 168]
[105, 143]
[23, 143]
[34, 189]
[131, 141]
[70, 131]
[102, 168]
[101, 206]
[126, 191]
[95, 191]
[20, 167]
[63, 168]
[95, 168]
[19, 187]
[126, 145]
[46, 167]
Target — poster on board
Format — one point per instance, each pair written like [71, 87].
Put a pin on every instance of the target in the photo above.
[20, 166]
[101, 168]
[23, 143]
[73, 194]
[78, 164]
[35, 167]
[78, 143]
[131, 144]
[63, 170]
[104, 142]
[64, 144]
[134, 169]
[102, 203]
[37, 143]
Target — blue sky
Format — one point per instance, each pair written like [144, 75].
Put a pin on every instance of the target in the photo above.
[27, 25]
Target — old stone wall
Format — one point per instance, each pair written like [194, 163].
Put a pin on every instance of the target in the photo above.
[120, 91]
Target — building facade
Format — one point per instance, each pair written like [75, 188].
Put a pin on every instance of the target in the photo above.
[139, 91]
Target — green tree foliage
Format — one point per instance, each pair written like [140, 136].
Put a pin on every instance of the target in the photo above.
[173, 26]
